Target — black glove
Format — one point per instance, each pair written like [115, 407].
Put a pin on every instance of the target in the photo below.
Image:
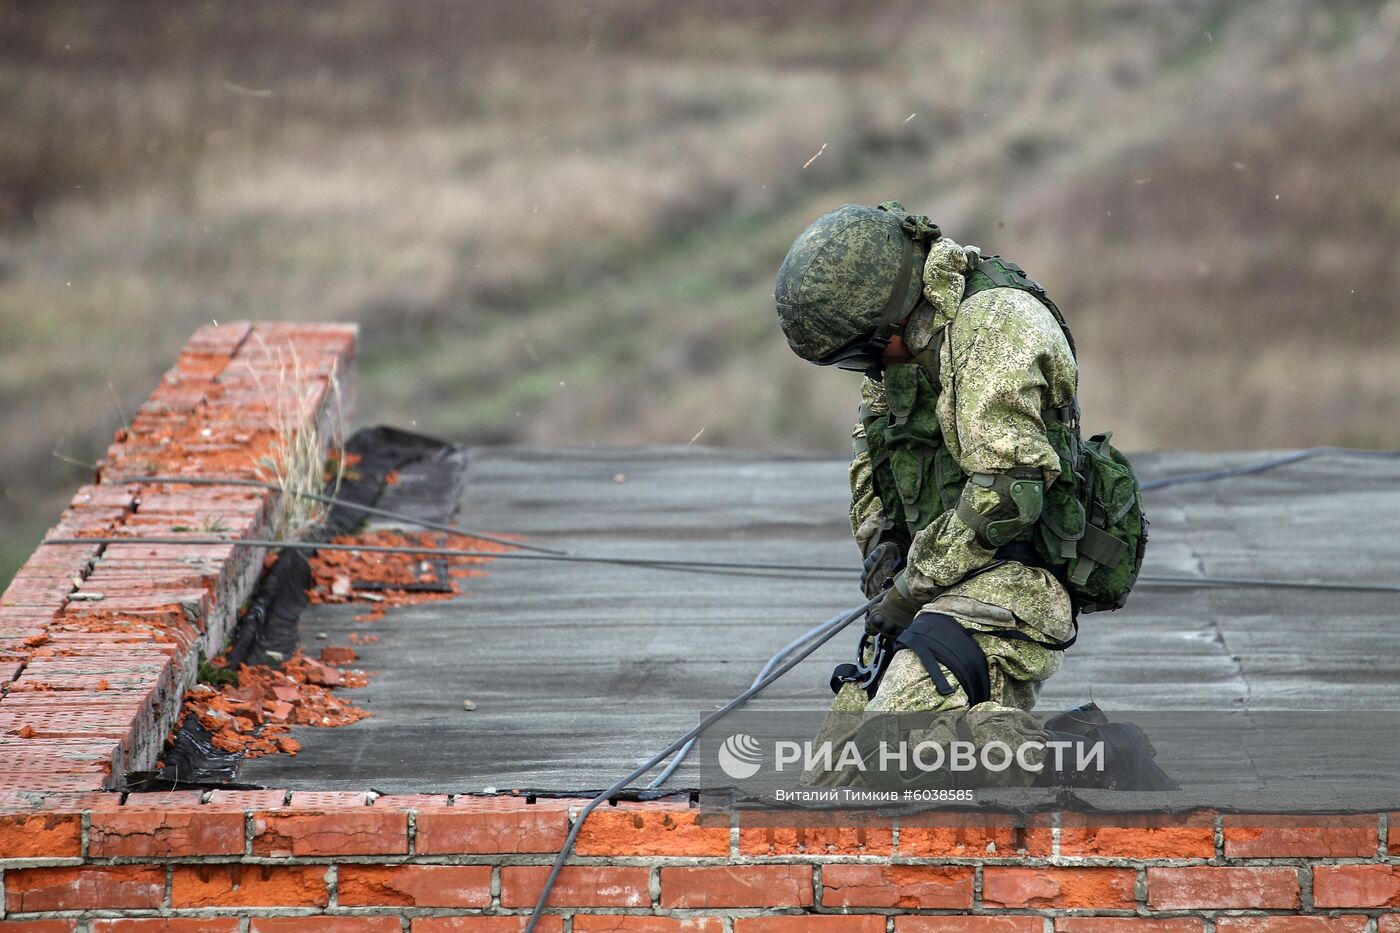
[892, 614]
[884, 561]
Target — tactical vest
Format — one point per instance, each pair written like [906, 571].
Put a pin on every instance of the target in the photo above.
[918, 480]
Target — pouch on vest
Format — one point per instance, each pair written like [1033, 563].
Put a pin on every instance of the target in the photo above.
[1091, 529]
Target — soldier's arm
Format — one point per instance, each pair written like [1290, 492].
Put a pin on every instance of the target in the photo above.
[999, 352]
[867, 511]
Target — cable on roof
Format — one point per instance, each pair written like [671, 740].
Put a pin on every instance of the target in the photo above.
[330, 500]
[1261, 466]
[728, 568]
[1268, 583]
[731, 568]
[830, 629]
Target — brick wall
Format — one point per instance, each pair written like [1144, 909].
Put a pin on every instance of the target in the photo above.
[267, 860]
[97, 643]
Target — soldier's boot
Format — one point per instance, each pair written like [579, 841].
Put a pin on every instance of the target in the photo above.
[1127, 761]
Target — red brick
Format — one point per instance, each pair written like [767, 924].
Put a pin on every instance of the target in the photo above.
[165, 800]
[248, 886]
[815, 840]
[1352, 924]
[616, 923]
[1013, 886]
[1300, 837]
[412, 801]
[342, 831]
[246, 799]
[948, 924]
[547, 924]
[737, 886]
[128, 832]
[846, 923]
[1138, 842]
[1356, 886]
[1389, 923]
[1128, 925]
[1210, 887]
[415, 885]
[578, 886]
[923, 841]
[58, 801]
[108, 887]
[325, 925]
[168, 925]
[38, 926]
[471, 830]
[41, 835]
[908, 886]
[322, 799]
[650, 829]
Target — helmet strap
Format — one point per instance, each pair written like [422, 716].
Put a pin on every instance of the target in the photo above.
[894, 306]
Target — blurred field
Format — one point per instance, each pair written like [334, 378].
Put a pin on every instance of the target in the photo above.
[559, 223]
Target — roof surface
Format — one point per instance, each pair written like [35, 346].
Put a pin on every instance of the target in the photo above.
[581, 671]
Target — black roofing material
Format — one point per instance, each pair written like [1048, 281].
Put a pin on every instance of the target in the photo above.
[191, 760]
[267, 631]
[430, 474]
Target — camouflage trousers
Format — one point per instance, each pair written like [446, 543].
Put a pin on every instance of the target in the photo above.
[1016, 671]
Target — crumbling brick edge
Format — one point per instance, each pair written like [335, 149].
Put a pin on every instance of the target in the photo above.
[99, 642]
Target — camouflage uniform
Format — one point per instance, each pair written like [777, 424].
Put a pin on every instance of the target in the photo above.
[1003, 360]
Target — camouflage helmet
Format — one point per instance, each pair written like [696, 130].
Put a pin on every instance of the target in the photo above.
[848, 281]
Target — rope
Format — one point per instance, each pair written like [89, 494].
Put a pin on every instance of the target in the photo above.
[736, 568]
[733, 568]
[1267, 583]
[831, 629]
[330, 500]
[1261, 466]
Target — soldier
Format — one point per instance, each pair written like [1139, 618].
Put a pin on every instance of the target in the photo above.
[966, 363]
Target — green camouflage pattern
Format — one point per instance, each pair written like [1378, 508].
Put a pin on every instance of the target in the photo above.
[1115, 507]
[837, 278]
[917, 475]
[1002, 361]
[1016, 676]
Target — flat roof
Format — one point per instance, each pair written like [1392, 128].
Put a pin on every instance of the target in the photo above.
[579, 672]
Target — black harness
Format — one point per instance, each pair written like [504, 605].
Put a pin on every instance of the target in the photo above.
[937, 638]
[940, 641]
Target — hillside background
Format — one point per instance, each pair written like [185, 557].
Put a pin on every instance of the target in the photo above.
[558, 222]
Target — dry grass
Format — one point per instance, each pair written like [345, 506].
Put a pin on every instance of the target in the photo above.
[560, 225]
[296, 462]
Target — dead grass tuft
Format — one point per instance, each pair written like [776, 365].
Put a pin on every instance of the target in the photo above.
[297, 457]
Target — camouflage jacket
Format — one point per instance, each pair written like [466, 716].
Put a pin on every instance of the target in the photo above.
[1003, 360]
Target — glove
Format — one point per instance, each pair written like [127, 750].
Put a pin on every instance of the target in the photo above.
[882, 564]
[892, 614]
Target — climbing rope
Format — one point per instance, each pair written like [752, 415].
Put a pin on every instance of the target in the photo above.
[828, 631]
[730, 568]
